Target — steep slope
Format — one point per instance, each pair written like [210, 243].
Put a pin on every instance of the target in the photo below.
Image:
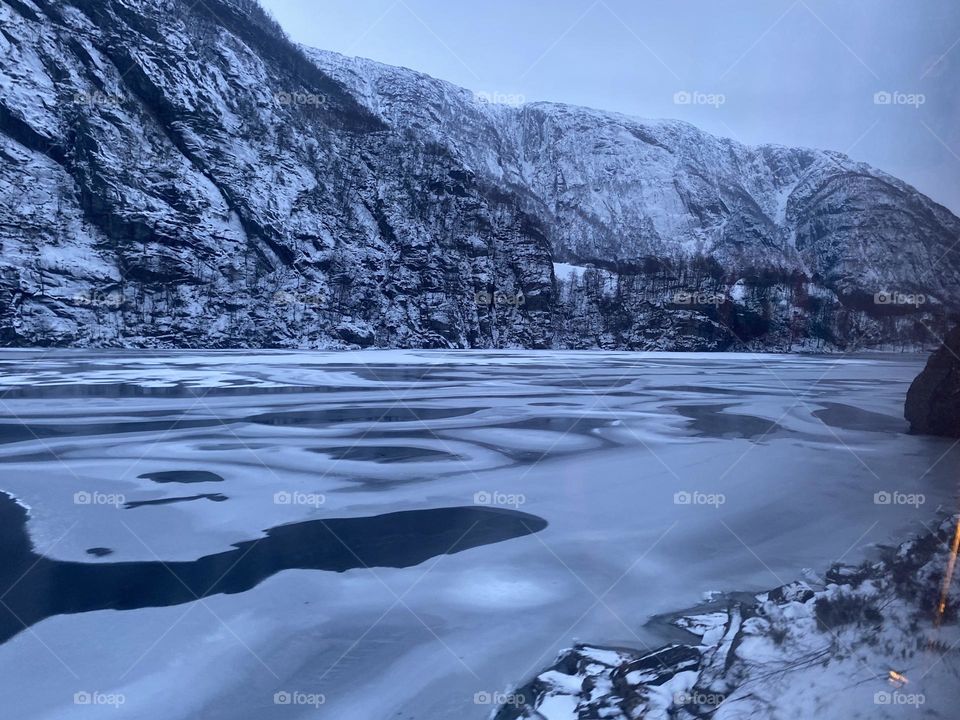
[178, 174]
[855, 253]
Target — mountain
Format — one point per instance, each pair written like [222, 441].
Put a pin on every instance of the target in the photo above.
[179, 174]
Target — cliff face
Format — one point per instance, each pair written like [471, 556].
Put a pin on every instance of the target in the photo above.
[670, 237]
[933, 401]
[179, 175]
[181, 178]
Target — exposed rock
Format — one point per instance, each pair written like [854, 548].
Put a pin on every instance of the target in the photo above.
[793, 652]
[933, 401]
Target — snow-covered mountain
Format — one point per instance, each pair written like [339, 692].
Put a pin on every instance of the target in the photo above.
[179, 174]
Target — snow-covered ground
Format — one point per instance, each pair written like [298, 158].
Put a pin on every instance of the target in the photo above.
[662, 477]
[879, 642]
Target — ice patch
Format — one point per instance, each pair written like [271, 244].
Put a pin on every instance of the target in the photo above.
[499, 590]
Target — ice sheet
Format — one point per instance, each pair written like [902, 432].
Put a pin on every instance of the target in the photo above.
[647, 510]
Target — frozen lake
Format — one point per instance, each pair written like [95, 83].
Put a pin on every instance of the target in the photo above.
[405, 534]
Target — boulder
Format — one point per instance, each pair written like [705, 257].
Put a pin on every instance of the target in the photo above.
[933, 401]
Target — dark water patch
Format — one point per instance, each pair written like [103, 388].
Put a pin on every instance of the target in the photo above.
[226, 446]
[848, 417]
[396, 436]
[190, 392]
[386, 454]
[357, 414]
[35, 587]
[21, 432]
[213, 497]
[394, 373]
[529, 457]
[99, 551]
[38, 457]
[575, 382]
[181, 476]
[711, 421]
[560, 423]
[709, 390]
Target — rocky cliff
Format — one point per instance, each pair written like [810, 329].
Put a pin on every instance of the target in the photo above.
[178, 175]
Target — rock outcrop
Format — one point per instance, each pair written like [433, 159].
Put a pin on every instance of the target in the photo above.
[843, 646]
[933, 401]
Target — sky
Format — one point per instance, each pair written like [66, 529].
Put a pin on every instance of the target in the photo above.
[876, 79]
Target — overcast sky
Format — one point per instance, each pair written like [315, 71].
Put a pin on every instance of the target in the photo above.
[801, 72]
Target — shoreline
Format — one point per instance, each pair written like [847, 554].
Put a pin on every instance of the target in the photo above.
[873, 641]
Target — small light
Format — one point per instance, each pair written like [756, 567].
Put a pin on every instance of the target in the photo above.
[898, 679]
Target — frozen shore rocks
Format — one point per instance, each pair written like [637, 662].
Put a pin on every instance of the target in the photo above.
[873, 641]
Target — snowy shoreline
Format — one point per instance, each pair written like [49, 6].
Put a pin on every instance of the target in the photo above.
[879, 640]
